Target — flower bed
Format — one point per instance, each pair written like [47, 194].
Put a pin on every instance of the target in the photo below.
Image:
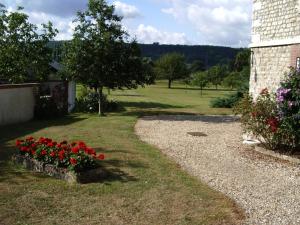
[74, 162]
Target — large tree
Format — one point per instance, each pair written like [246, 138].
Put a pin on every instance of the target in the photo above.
[100, 54]
[171, 66]
[24, 54]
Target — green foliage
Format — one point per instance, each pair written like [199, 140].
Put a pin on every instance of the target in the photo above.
[89, 101]
[200, 79]
[275, 118]
[46, 108]
[171, 66]
[99, 56]
[209, 55]
[227, 102]
[242, 60]
[197, 66]
[216, 74]
[260, 118]
[24, 54]
[288, 101]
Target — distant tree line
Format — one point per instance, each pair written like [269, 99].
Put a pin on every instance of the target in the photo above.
[208, 55]
[173, 66]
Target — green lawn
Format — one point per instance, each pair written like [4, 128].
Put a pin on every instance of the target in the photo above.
[144, 186]
[158, 99]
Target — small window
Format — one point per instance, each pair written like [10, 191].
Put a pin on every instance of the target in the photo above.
[298, 63]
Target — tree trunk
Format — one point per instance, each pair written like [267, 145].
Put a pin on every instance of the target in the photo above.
[100, 94]
[216, 87]
[108, 91]
[201, 90]
[169, 85]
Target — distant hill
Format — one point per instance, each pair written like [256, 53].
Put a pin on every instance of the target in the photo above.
[210, 55]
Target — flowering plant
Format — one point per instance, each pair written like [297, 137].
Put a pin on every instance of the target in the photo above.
[275, 118]
[260, 118]
[75, 156]
[288, 102]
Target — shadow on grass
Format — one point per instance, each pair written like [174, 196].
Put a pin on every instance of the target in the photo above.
[143, 113]
[11, 132]
[128, 95]
[148, 105]
[198, 89]
[201, 118]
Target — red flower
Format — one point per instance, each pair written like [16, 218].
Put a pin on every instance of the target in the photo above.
[81, 144]
[75, 150]
[52, 154]
[58, 145]
[273, 123]
[61, 154]
[18, 142]
[33, 145]
[32, 152]
[24, 149]
[44, 152]
[101, 157]
[50, 144]
[73, 161]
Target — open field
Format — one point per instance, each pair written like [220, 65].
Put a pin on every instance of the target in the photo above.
[158, 99]
[144, 186]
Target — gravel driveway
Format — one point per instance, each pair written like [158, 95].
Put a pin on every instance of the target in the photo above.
[268, 189]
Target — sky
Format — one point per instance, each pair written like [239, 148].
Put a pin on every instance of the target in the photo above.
[192, 22]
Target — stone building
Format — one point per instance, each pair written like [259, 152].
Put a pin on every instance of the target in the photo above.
[275, 42]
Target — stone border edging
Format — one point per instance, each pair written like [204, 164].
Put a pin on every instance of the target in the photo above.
[60, 173]
[276, 155]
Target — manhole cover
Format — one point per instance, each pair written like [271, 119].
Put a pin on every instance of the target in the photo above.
[197, 134]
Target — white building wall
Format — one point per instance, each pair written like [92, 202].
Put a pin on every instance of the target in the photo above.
[16, 103]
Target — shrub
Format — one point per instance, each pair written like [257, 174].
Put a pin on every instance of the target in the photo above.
[75, 156]
[260, 118]
[46, 108]
[227, 102]
[275, 118]
[88, 102]
[288, 101]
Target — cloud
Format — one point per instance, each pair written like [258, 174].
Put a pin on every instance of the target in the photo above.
[62, 8]
[126, 11]
[149, 34]
[64, 25]
[217, 22]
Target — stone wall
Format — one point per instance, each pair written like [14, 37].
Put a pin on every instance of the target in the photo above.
[275, 42]
[268, 67]
[275, 20]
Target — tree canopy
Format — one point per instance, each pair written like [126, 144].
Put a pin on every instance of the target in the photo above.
[24, 54]
[101, 55]
[171, 66]
[200, 79]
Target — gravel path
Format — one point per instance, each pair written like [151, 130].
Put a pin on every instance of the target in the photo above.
[268, 189]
